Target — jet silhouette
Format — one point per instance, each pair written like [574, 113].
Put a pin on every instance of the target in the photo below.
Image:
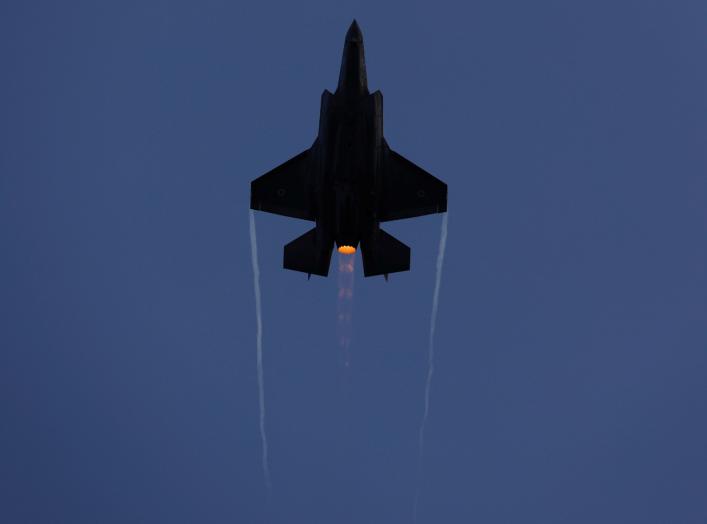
[349, 181]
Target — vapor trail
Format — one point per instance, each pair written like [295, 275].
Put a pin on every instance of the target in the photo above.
[430, 361]
[259, 345]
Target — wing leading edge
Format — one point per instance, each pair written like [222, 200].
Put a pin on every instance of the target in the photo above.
[407, 190]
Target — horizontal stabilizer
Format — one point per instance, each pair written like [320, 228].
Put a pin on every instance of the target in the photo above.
[382, 254]
[309, 253]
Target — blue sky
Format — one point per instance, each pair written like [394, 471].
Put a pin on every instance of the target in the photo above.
[572, 331]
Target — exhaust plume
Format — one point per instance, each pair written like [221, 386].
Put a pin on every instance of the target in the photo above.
[430, 361]
[344, 305]
[259, 346]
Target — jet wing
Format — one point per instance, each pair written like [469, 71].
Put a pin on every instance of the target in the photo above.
[285, 190]
[407, 190]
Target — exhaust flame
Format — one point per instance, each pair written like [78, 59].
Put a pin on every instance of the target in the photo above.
[430, 360]
[347, 250]
[259, 346]
[344, 304]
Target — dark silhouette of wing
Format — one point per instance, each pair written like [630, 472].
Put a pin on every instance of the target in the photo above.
[408, 190]
[285, 190]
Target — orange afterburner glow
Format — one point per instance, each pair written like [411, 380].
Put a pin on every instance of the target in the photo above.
[347, 250]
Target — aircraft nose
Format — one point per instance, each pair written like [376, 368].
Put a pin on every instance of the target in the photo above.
[354, 33]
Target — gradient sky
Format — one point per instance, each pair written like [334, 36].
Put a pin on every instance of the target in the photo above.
[571, 377]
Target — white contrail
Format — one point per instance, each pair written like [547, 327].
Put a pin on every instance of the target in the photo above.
[430, 361]
[259, 345]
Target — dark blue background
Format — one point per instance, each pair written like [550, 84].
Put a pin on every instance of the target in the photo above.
[571, 349]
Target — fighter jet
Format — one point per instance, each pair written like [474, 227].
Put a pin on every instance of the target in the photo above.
[349, 181]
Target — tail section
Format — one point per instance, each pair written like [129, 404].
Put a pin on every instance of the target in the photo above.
[383, 254]
[309, 253]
